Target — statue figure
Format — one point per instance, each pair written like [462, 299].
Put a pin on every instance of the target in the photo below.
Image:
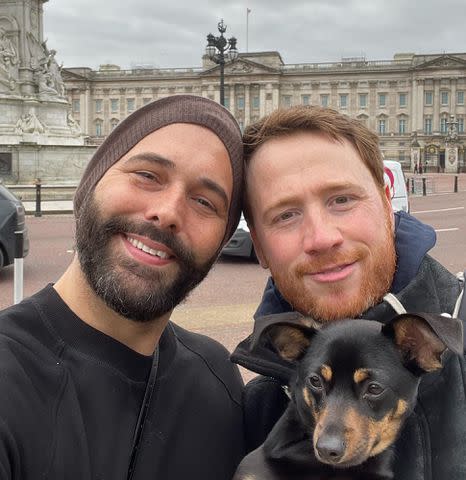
[29, 123]
[8, 56]
[45, 83]
[73, 124]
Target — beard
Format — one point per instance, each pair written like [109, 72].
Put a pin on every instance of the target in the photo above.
[135, 291]
[334, 303]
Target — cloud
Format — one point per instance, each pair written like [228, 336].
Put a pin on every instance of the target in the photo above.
[88, 33]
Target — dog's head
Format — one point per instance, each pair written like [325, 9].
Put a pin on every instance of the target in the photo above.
[356, 380]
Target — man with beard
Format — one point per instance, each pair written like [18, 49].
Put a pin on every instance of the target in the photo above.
[95, 381]
[321, 222]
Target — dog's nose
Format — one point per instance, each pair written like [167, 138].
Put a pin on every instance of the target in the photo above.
[330, 448]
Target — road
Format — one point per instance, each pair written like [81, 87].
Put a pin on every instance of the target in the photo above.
[223, 305]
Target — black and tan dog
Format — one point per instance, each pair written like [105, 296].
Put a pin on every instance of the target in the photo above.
[356, 382]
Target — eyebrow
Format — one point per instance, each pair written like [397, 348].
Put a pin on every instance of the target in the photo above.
[152, 158]
[326, 190]
[165, 162]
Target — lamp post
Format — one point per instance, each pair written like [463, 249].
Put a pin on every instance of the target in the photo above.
[219, 50]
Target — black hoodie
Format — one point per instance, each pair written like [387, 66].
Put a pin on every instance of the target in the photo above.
[433, 443]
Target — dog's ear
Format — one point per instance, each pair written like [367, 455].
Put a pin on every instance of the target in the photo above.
[290, 341]
[289, 334]
[423, 337]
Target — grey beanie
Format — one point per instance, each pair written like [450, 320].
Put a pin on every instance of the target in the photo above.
[175, 109]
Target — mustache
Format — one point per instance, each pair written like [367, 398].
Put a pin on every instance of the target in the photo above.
[117, 225]
[328, 260]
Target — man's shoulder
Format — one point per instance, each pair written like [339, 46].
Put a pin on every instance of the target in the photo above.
[210, 355]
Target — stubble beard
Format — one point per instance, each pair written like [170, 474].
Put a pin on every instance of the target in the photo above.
[376, 280]
[135, 291]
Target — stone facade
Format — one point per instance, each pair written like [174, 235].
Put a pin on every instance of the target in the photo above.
[410, 94]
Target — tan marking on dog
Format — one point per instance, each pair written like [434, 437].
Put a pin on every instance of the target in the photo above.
[326, 372]
[360, 375]
[310, 322]
[290, 342]
[320, 422]
[386, 430]
[356, 435]
[309, 399]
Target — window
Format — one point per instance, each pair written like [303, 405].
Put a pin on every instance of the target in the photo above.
[98, 106]
[98, 129]
[305, 100]
[401, 156]
[428, 125]
[362, 100]
[130, 104]
[255, 102]
[226, 102]
[444, 98]
[460, 125]
[403, 99]
[428, 97]
[324, 100]
[402, 126]
[343, 100]
[460, 98]
[114, 105]
[382, 99]
[286, 101]
[76, 106]
[114, 123]
[146, 100]
[240, 103]
[443, 125]
[382, 126]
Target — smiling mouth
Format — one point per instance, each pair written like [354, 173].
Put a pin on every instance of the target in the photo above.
[141, 246]
[333, 274]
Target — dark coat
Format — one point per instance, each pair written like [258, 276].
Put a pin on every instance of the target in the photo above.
[432, 445]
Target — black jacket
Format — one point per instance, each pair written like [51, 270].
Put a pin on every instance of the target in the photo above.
[432, 445]
[70, 397]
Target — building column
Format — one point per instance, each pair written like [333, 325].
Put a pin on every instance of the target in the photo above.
[436, 107]
[419, 92]
[262, 97]
[247, 104]
[275, 96]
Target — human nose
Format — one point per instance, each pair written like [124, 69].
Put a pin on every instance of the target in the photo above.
[166, 209]
[321, 232]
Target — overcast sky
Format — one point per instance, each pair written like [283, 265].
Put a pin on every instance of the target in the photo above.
[172, 33]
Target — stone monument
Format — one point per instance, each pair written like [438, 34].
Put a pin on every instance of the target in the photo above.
[35, 117]
[451, 146]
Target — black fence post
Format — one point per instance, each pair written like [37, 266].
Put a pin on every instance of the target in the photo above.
[455, 188]
[38, 212]
[412, 185]
[424, 190]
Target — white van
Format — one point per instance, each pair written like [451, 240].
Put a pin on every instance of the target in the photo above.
[396, 182]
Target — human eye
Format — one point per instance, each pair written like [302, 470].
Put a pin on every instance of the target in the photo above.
[145, 175]
[342, 202]
[205, 203]
[284, 216]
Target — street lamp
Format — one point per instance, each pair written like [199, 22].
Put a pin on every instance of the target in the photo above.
[219, 49]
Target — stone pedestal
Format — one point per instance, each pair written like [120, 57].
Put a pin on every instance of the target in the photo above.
[415, 159]
[451, 159]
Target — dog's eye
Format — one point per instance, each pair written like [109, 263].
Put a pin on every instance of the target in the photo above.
[315, 382]
[374, 389]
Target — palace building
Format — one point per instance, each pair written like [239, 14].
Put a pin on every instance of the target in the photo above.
[416, 103]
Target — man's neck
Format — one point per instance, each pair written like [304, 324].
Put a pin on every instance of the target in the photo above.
[76, 292]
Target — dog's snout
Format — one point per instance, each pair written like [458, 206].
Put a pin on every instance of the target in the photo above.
[330, 448]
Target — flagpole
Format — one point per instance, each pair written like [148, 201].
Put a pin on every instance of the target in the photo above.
[248, 11]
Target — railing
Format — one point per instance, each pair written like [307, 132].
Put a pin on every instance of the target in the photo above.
[34, 195]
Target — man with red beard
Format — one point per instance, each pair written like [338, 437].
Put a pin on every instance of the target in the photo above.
[95, 381]
[321, 222]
